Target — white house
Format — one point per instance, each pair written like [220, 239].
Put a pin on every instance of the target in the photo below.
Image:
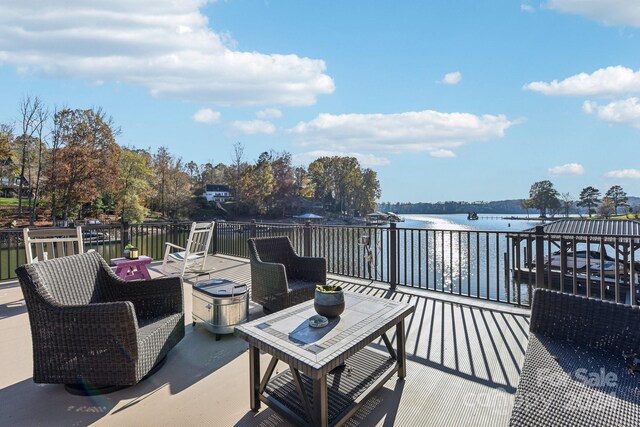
[217, 193]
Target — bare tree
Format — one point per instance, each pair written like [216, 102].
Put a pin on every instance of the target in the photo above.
[57, 142]
[237, 164]
[567, 203]
[29, 115]
[42, 117]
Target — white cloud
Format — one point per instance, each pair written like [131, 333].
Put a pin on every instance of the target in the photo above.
[442, 153]
[607, 12]
[625, 111]
[269, 113]
[165, 46]
[452, 78]
[252, 127]
[615, 80]
[420, 131]
[207, 116]
[526, 7]
[365, 160]
[624, 173]
[568, 169]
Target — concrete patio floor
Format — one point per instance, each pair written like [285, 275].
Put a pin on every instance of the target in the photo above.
[464, 360]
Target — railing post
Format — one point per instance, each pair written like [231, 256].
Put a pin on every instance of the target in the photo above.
[253, 228]
[214, 238]
[539, 256]
[125, 234]
[307, 238]
[174, 232]
[393, 255]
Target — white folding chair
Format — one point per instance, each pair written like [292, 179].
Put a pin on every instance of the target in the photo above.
[193, 257]
[42, 244]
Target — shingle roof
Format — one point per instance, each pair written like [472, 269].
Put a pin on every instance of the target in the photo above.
[597, 227]
[217, 187]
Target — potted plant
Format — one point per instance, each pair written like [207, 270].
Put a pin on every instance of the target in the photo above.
[329, 300]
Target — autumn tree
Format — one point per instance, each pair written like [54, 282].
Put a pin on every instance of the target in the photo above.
[84, 161]
[617, 196]
[284, 187]
[606, 208]
[161, 164]
[302, 182]
[133, 187]
[340, 182]
[589, 198]
[543, 197]
[366, 198]
[193, 170]
[178, 190]
[256, 184]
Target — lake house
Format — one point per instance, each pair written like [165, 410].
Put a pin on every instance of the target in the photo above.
[217, 193]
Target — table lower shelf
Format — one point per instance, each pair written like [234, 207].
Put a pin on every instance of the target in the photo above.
[345, 386]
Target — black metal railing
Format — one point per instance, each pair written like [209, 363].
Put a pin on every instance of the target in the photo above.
[108, 240]
[490, 265]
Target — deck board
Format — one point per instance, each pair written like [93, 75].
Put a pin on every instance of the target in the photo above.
[463, 364]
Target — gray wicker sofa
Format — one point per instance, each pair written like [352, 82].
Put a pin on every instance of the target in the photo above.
[89, 327]
[579, 368]
[279, 277]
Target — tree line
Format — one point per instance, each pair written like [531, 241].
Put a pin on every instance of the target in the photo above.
[69, 165]
[548, 201]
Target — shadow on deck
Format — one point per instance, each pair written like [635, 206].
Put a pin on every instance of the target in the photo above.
[464, 359]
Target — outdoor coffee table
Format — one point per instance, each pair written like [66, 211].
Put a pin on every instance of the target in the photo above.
[132, 269]
[333, 365]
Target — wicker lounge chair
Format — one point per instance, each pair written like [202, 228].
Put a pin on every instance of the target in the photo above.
[579, 368]
[279, 277]
[91, 328]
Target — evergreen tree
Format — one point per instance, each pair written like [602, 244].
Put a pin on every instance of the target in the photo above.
[618, 197]
[589, 198]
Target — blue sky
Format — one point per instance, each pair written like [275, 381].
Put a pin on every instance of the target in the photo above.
[445, 99]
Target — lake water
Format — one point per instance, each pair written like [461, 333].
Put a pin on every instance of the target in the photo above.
[460, 222]
[452, 254]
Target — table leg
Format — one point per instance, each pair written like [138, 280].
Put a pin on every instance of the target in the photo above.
[402, 354]
[121, 272]
[320, 402]
[144, 271]
[254, 377]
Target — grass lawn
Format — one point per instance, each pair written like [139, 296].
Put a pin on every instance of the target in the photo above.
[10, 201]
[624, 216]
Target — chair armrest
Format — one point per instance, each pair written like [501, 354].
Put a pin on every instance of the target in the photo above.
[267, 278]
[154, 297]
[597, 324]
[310, 269]
[167, 245]
[89, 326]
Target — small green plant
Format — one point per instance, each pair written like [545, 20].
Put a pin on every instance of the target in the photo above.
[129, 246]
[328, 289]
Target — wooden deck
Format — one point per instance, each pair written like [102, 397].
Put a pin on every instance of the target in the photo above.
[464, 360]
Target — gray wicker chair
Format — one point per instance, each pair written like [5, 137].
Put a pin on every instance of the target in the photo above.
[90, 329]
[579, 366]
[279, 277]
